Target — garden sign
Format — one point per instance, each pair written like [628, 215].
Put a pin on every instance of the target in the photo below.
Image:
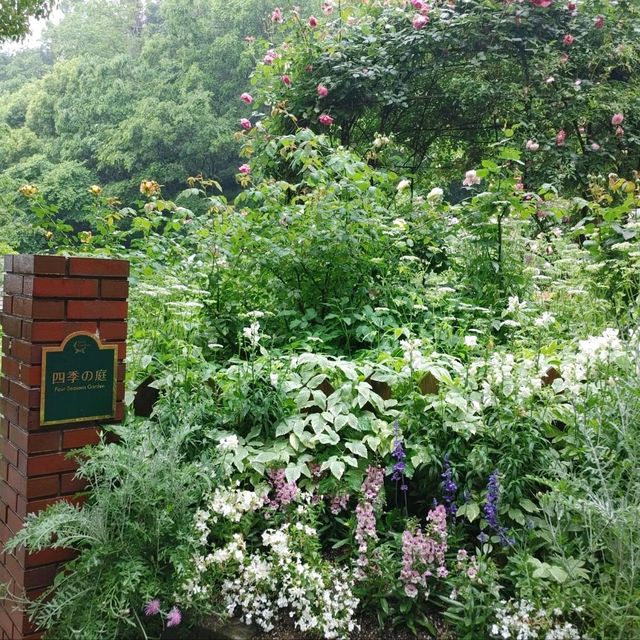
[78, 380]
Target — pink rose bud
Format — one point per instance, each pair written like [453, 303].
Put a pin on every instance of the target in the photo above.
[326, 120]
[323, 92]
[312, 22]
[617, 119]
[245, 123]
[286, 80]
[247, 98]
[419, 22]
[572, 6]
[244, 168]
[568, 40]
[561, 136]
[599, 23]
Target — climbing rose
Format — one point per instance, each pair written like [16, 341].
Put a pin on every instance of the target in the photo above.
[245, 123]
[270, 56]
[247, 98]
[470, 178]
[532, 145]
[568, 39]
[617, 119]
[244, 168]
[326, 120]
[419, 22]
[599, 23]
[174, 617]
[313, 21]
[323, 92]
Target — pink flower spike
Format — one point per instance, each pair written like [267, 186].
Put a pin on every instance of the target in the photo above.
[174, 617]
[152, 607]
[561, 136]
[286, 80]
[568, 40]
[599, 23]
[323, 92]
[420, 22]
[312, 22]
[245, 123]
[247, 98]
[326, 120]
[244, 168]
[617, 119]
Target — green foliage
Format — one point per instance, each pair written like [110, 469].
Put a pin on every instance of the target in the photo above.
[14, 17]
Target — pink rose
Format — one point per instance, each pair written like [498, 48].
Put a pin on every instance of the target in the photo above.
[470, 178]
[420, 21]
[561, 136]
[270, 56]
[323, 92]
[595, 146]
[619, 132]
[286, 80]
[327, 7]
[599, 23]
[571, 6]
[532, 145]
[617, 119]
[541, 3]
[244, 168]
[326, 120]
[568, 40]
[276, 15]
[245, 123]
[312, 22]
[247, 98]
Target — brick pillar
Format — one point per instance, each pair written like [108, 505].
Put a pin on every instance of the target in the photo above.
[46, 298]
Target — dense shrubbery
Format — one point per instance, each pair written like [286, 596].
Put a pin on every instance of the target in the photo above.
[375, 398]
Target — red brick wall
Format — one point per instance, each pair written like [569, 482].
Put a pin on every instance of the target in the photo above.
[45, 299]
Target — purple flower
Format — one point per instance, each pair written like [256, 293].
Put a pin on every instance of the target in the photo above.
[400, 456]
[373, 483]
[491, 509]
[152, 607]
[174, 617]
[449, 488]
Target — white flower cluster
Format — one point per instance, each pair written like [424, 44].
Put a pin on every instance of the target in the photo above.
[318, 600]
[522, 621]
[232, 504]
[196, 586]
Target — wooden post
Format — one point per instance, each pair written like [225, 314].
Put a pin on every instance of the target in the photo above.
[47, 298]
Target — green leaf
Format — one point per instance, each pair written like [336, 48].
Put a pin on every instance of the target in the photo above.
[337, 467]
[357, 448]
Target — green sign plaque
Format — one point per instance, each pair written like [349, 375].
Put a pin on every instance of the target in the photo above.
[78, 380]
